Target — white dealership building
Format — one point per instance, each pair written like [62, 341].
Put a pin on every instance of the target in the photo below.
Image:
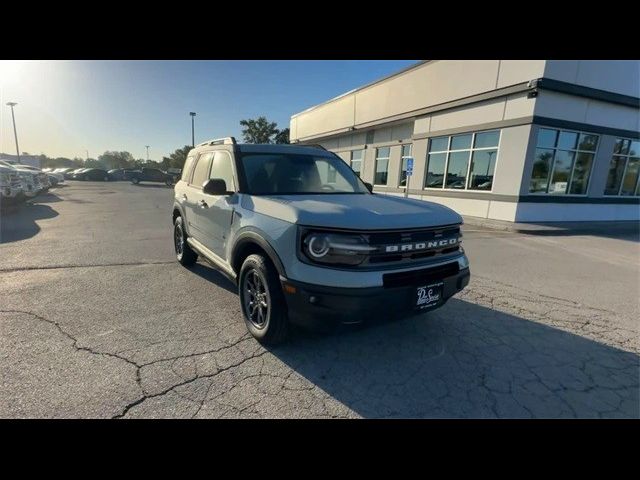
[526, 141]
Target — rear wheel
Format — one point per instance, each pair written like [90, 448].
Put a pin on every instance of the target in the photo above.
[185, 255]
[262, 302]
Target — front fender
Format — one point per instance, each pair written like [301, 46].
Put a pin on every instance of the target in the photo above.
[255, 236]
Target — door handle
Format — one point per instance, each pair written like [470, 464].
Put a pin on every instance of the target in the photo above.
[203, 204]
[184, 197]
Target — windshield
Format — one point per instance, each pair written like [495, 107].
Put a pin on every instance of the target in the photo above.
[291, 174]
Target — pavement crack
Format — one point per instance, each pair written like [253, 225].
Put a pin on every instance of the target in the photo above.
[186, 382]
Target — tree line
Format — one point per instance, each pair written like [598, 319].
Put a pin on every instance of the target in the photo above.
[258, 130]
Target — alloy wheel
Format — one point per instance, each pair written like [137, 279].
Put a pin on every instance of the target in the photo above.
[256, 298]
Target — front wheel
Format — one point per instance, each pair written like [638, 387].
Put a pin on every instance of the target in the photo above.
[106, 179]
[262, 302]
[135, 181]
[185, 255]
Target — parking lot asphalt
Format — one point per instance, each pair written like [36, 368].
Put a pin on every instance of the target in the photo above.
[97, 319]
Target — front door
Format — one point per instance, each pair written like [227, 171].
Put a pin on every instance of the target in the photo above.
[216, 211]
[192, 198]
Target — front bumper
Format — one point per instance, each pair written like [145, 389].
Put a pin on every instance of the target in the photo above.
[312, 305]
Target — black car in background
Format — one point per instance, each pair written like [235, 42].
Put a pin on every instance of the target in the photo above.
[150, 175]
[120, 173]
[95, 174]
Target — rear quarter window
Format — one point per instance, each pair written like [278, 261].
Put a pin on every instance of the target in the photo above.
[188, 166]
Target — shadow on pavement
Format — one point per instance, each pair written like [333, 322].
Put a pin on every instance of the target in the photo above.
[20, 224]
[212, 275]
[49, 197]
[466, 360]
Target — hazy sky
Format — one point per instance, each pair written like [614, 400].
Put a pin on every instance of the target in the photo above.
[67, 107]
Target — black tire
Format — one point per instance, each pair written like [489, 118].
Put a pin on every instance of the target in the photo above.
[135, 181]
[185, 255]
[106, 179]
[168, 182]
[272, 327]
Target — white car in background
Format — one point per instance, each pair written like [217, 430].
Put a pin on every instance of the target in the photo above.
[31, 185]
[52, 177]
[10, 186]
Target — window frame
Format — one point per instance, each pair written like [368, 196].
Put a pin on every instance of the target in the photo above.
[193, 170]
[402, 157]
[361, 160]
[471, 149]
[627, 157]
[575, 151]
[234, 173]
[375, 166]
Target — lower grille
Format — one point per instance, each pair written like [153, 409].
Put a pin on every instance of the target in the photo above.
[424, 275]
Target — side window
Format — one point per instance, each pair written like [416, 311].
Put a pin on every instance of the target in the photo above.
[186, 170]
[223, 169]
[201, 170]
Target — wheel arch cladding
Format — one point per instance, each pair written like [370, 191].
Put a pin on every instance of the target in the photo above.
[249, 243]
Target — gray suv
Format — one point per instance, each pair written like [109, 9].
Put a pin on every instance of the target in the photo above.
[306, 241]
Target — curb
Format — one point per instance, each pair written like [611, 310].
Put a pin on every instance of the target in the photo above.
[557, 228]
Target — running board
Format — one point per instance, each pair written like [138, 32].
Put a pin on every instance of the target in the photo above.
[212, 258]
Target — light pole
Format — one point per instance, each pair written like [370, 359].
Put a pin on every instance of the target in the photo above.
[489, 162]
[193, 138]
[15, 133]
[147, 146]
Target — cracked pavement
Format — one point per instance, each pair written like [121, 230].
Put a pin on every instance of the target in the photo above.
[97, 320]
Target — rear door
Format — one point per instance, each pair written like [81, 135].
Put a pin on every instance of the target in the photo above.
[192, 197]
[216, 211]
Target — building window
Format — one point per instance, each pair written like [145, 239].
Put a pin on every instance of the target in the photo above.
[356, 161]
[562, 162]
[462, 162]
[382, 166]
[406, 154]
[624, 169]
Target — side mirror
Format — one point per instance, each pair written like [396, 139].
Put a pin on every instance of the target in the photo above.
[215, 186]
[369, 186]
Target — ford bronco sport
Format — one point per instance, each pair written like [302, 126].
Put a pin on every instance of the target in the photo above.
[305, 240]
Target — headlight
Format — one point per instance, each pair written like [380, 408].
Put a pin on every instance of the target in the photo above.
[335, 248]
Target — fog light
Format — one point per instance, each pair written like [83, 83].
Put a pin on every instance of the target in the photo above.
[463, 262]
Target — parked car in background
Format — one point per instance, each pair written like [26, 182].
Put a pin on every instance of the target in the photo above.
[31, 185]
[53, 178]
[95, 174]
[120, 173]
[70, 173]
[10, 187]
[63, 170]
[151, 175]
[176, 173]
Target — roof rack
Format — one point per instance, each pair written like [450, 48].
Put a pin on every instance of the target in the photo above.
[219, 141]
[316, 145]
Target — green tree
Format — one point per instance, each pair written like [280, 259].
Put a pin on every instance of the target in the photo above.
[259, 130]
[282, 136]
[176, 159]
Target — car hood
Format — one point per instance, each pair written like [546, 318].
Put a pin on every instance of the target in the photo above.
[353, 211]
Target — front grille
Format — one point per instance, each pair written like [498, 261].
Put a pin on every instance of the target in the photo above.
[416, 277]
[400, 246]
